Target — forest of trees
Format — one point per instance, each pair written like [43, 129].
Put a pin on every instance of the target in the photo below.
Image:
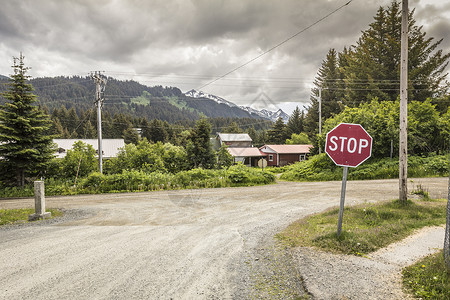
[370, 70]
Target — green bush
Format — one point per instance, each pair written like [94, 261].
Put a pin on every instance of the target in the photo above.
[321, 168]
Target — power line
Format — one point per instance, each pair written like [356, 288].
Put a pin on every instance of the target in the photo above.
[276, 46]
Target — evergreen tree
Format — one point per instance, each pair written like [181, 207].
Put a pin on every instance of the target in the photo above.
[26, 147]
[295, 123]
[278, 133]
[224, 158]
[130, 135]
[199, 149]
[328, 81]
[233, 127]
[373, 68]
[155, 131]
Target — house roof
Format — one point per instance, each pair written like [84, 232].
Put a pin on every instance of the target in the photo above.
[288, 149]
[110, 147]
[234, 137]
[246, 152]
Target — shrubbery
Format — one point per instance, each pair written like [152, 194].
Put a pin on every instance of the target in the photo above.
[321, 168]
[135, 180]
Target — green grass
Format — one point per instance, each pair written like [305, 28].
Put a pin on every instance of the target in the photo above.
[321, 168]
[366, 228]
[12, 216]
[428, 278]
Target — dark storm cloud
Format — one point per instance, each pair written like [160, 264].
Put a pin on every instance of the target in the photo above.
[161, 41]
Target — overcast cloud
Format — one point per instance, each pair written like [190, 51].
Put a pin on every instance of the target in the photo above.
[189, 43]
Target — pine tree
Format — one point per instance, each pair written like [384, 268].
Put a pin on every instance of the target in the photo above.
[373, 68]
[26, 147]
[199, 149]
[295, 123]
[328, 81]
[278, 133]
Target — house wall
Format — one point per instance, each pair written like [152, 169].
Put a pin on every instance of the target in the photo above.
[238, 144]
[286, 159]
[274, 161]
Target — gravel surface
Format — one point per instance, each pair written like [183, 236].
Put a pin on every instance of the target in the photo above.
[191, 244]
[378, 276]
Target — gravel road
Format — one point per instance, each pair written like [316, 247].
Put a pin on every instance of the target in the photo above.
[190, 244]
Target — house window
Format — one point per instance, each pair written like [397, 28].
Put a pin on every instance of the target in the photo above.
[270, 157]
[302, 157]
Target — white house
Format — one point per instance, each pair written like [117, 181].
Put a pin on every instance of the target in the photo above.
[110, 147]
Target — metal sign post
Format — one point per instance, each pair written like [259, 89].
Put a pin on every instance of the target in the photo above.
[348, 145]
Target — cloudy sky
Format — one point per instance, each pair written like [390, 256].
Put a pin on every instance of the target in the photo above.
[188, 44]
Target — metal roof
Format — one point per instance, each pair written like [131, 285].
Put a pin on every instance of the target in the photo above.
[234, 137]
[110, 147]
[245, 152]
[288, 149]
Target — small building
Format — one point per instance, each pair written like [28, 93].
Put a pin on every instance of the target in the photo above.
[241, 140]
[110, 147]
[281, 155]
[249, 156]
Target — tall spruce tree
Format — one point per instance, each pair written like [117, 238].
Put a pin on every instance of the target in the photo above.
[328, 80]
[199, 149]
[295, 122]
[373, 68]
[26, 147]
[278, 133]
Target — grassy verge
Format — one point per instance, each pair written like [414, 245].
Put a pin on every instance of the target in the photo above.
[366, 227]
[139, 181]
[321, 168]
[428, 278]
[11, 216]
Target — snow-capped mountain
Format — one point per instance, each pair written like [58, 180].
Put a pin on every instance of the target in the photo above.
[264, 113]
[200, 94]
[267, 114]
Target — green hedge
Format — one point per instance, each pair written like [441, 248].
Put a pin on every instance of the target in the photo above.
[131, 181]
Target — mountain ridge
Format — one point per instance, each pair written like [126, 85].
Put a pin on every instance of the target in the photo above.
[263, 113]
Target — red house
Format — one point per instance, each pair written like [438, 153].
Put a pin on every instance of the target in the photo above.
[281, 155]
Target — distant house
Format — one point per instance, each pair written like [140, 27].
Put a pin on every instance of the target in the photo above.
[281, 155]
[241, 140]
[110, 147]
[249, 156]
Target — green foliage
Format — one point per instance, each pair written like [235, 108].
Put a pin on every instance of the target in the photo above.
[195, 178]
[199, 149]
[321, 168]
[79, 161]
[224, 158]
[366, 228]
[298, 139]
[278, 133]
[26, 146]
[428, 278]
[370, 69]
[149, 158]
[295, 122]
[381, 120]
[373, 65]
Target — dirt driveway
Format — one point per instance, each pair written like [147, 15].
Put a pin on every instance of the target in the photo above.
[190, 244]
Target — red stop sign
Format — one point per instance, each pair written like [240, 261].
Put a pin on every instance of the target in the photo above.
[348, 145]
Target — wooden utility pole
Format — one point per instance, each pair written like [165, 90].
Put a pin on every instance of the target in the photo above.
[447, 227]
[100, 84]
[320, 116]
[403, 147]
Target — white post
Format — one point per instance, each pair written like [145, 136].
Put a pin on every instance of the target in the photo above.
[39, 202]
